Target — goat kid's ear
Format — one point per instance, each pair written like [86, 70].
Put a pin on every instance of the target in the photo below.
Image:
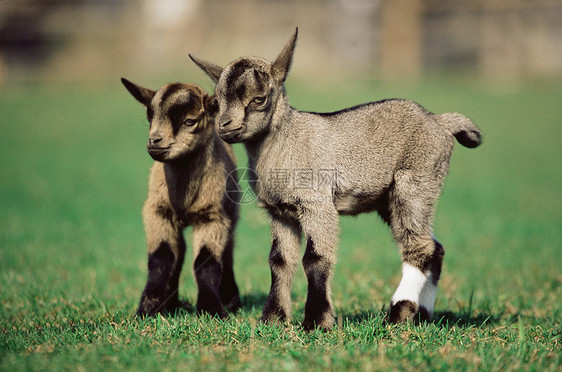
[141, 94]
[211, 105]
[281, 66]
[214, 71]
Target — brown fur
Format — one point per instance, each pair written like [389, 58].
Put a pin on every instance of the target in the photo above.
[188, 183]
[390, 156]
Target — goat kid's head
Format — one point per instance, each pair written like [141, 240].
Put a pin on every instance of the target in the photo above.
[181, 118]
[247, 91]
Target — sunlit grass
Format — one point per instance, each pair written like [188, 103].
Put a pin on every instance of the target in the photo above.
[73, 262]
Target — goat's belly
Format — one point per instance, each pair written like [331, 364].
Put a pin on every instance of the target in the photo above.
[354, 203]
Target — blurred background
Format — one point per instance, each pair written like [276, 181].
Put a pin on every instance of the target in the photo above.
[98, 40]
[74, 165]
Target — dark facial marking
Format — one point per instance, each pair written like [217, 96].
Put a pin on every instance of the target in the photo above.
[170, 90]
[240, 90]
[260, 78]
[177, 112]
[236, 86]
[178, 102]
[236, 71]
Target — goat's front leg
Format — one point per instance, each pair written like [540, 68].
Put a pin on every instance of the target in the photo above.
[210, 241]
[166, 250]
[283, 258]
[321, 228]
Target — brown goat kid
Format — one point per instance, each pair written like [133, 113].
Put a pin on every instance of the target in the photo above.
[389, 156]
[188, 183]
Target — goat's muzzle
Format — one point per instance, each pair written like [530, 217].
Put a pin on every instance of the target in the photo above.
[157, 150]
[226, 130]
[153, 141]
[231, 135]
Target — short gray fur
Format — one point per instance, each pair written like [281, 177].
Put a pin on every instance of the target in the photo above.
[390, 156]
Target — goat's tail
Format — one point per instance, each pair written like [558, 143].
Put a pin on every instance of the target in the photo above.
[461, 127]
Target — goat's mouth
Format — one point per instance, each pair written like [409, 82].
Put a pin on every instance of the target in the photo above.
[231, 135]
[158, 153]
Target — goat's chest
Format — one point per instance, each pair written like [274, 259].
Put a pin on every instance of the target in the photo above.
[275, 192]
[187, 203]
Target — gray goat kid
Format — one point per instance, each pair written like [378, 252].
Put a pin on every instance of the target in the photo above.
[390, 156]
[188, 183]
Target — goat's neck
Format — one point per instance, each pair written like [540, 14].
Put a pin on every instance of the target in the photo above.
[193, 163]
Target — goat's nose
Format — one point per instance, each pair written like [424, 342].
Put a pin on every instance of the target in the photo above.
[223, 124]
[154, 140]
[224, 121]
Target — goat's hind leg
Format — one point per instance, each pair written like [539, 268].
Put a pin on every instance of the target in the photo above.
[173, 302]
[411, 211]
[209, 242]
[228, 290]
[414, 298]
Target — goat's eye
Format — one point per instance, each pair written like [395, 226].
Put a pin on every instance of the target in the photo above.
[190, 122]
[259, 100]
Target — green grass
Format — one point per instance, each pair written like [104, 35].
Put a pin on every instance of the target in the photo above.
[73, 261]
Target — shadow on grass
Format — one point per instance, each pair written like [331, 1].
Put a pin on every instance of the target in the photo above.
[253, 301]
[361, 317]
[449, 318]
[440, 319]
[184, 307]
[250, 302]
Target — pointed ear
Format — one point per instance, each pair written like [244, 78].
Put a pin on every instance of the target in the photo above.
[141, 94]
[211, 105]
[281, 66]
[211, 69]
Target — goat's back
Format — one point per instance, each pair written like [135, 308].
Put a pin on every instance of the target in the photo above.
[366, 144]
[392, 128]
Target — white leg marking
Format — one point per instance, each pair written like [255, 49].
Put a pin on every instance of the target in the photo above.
[411, 285]
[428, 294]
